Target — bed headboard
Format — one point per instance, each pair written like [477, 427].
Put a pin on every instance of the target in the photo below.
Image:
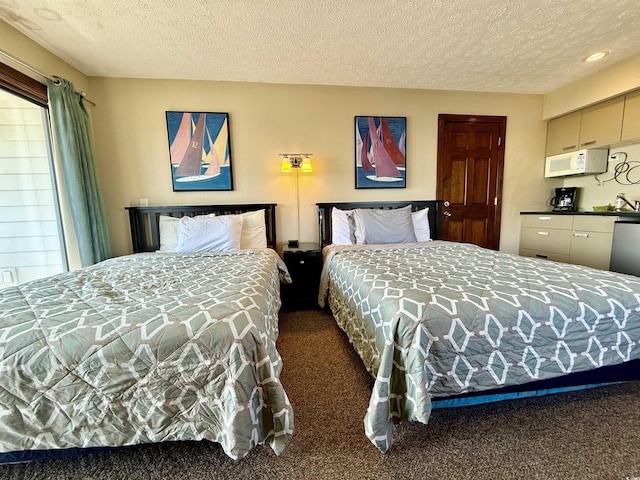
[145, 234]
[324, 214]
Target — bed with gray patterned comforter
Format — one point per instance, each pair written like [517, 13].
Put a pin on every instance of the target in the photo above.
[146, 348]
[439, 319]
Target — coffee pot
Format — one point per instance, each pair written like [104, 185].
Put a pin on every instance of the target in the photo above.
[564, 200]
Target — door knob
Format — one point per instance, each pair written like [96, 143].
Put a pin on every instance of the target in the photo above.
[447, 214]
[446, 203]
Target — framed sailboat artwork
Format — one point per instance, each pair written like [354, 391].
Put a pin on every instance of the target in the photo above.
[199, 151]
[380, 152]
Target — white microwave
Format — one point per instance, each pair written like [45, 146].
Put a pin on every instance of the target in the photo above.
[589, 160]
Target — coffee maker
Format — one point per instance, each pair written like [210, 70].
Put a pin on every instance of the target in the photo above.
[565, 200]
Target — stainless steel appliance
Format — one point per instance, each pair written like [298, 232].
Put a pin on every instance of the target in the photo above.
[625, 255]
[565, 200]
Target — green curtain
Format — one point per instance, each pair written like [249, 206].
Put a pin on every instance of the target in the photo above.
[72, 132]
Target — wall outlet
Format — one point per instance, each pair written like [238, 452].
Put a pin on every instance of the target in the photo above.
[144, 202]
[8, 277]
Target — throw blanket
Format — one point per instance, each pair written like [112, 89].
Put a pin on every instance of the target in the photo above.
[146, 348]
[439, 319]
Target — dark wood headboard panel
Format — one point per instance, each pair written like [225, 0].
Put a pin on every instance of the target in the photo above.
[324, 214]
[145, 234]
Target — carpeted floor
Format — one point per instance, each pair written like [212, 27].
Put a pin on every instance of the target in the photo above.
[592, 434]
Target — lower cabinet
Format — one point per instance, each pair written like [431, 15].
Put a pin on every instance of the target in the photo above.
[546, 236]
[578, 239]
[591, 241]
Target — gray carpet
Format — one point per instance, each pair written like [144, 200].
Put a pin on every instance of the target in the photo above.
[592, 434]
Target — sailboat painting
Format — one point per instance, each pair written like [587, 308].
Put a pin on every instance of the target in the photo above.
[380, 152]
[199, 151]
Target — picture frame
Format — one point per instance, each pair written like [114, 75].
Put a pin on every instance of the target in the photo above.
[380, 158]
[199, 151]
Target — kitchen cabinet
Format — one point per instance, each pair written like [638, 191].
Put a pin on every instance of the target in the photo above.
[563, 133]
[546, 236]
[631, 118]
[577, 239]
[591, 241]
[601, 124]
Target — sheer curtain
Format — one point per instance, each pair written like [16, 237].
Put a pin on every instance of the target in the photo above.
[72, 132]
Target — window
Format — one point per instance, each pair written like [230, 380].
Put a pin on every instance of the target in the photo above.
[31, 240]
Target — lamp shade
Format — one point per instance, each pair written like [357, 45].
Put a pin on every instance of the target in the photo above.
[285, 166]
[306, 165]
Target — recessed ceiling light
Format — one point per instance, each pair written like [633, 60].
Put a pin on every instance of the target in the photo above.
[597, 56]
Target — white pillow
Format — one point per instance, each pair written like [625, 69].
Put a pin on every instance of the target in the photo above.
[421, 228]
[168, 233]
[209, 234]
[341, 231]
[254, 230]
[377, 226]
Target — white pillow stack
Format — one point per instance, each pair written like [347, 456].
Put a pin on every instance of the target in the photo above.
[253, 234]
[343, 225]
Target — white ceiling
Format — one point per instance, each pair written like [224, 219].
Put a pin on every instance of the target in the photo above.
[520, 46]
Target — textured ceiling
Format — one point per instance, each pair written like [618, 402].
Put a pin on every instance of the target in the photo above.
[521, 46]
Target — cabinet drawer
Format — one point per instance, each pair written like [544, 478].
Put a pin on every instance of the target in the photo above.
[556, 257]
[588, 223]
[304, 266]
[546, 240]
[562, 222]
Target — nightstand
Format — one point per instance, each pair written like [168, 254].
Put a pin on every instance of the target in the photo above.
[304, 263]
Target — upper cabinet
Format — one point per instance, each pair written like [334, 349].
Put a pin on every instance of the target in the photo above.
[631, 121]
[563, 133]
[605, 123]
[602, 123]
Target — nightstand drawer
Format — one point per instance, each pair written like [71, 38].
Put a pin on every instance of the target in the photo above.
[305, 266]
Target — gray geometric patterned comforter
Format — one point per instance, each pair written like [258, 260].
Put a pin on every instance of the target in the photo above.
[146, 348]
[438, 319]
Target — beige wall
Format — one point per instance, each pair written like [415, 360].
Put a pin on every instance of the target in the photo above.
[265, 119]
[610, 82]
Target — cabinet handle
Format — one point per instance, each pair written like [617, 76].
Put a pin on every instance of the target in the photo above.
[581, 235]
[301, 262]
[546, 234]
[570, 147]
[588, 143]
[544, 218]
[541, 256]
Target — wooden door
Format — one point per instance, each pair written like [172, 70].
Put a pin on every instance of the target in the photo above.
[470, 169]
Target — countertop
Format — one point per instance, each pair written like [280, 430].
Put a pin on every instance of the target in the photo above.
[625, 214]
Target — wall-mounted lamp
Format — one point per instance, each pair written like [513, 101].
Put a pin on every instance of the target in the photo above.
[295, 160]
[300, 162]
